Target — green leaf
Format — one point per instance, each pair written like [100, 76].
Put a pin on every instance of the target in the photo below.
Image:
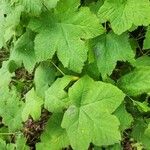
[2, 144]
[141, 132]
[111, 48]
[95, 6]
[66, 5]
[32, 106]
[20, 143]
[65, 33]
[56, 98]
[136, 82]
[146, 138]
[10, 18]
[5, 75]
[11, 109]
[43, 78]
[1, 31]
[142, 106]
[85, 124]
[54, 137]
[124, 117]
[12, 21]
[115, 147]
[4, 9]
[50, 3]
[139, 127]
[142, 61]
[24, 51]
[122, 14]
[147, 39]
[32, 6]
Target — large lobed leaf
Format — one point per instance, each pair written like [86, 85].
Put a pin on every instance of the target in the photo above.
[86, 120]
[65, 33]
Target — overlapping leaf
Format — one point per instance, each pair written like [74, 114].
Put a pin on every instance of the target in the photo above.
[50, 3]
[141, 132]
[56, 98]
[122, 14]
[37, 33]
[10, 18]
[65, 33]
[5, 76]
[142, 61]
[147, 39]
[54, 137]
[43, 78]
[111, 48]
[23, 51]
[124, 117]
[32, 106]
[33, 7]
[136, 82]
[84, 124]
[11, 109]
[20, 144]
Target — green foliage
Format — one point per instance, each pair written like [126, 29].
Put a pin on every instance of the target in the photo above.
[10, 110]
[23, 51]
[43, 78]
[56, 98]
[85, 124]
[146, 41]
[74, 74]
[122, 14]
[54, 136]
[132, 83]
[32, 106]
[111, 48]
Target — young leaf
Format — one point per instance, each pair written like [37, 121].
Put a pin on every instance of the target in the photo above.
[136, 82]
[54, 137]
[122, 14]
[111, 48]
[65, 33]
[85, 124]
[32, 106]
